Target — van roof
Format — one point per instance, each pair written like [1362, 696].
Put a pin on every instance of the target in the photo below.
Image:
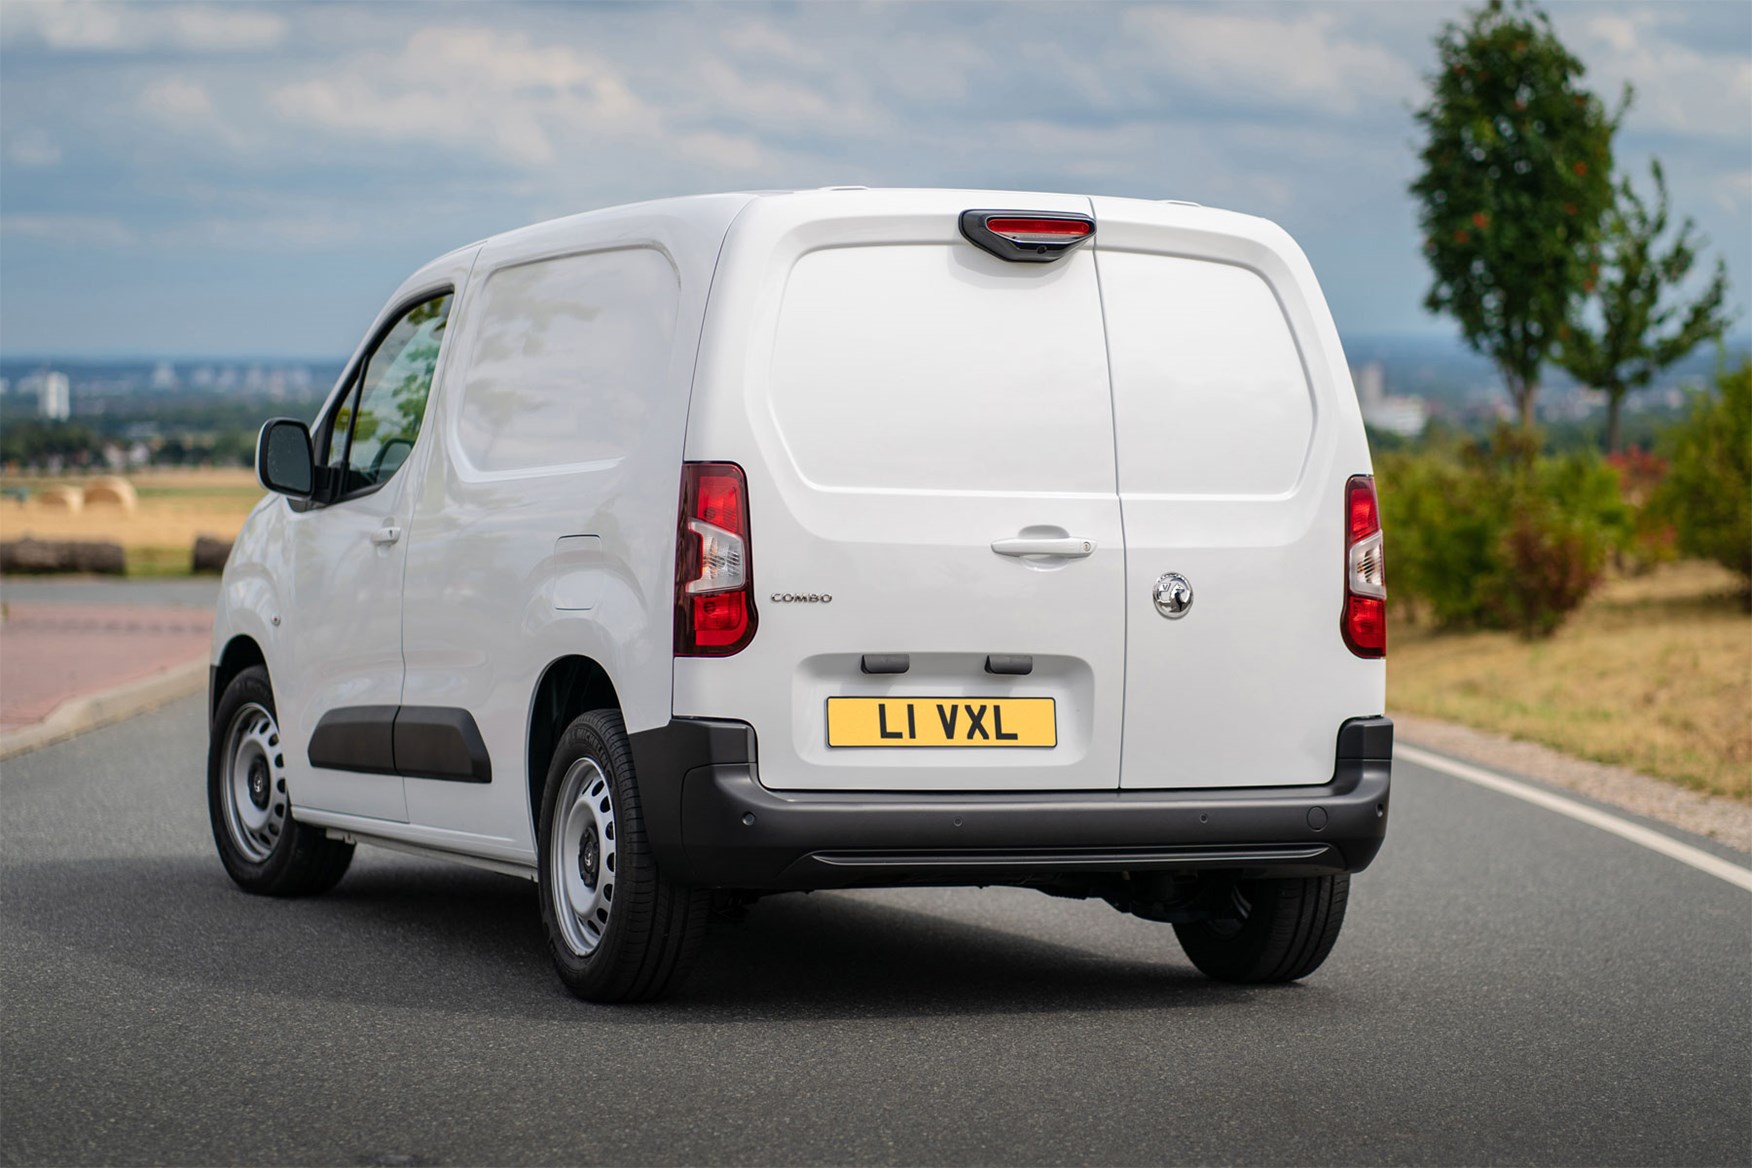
[715, 213]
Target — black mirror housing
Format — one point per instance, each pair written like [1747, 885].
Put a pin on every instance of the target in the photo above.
[285, 459]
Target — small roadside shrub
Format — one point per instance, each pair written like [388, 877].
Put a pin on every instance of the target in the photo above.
[1494, 535]
[1652, 542]
[1707, 494]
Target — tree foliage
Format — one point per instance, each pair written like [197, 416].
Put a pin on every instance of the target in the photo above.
[1639, 335]
[1707, 494]
[1514, 186]
[1493, 534]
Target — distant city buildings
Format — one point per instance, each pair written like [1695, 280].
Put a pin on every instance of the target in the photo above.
[1405, 416]
[53, 393]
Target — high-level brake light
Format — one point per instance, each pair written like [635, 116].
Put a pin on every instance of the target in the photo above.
[1365, 571]
[1026, 236]
[714, 582]
[1039, 230]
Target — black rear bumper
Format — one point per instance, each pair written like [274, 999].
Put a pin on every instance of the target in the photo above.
[713, 824]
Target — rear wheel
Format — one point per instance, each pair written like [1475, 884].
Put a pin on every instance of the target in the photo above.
[262, 846]
[618, 930]
[1280, 930]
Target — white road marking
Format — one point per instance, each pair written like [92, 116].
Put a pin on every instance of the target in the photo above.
[1636, 833]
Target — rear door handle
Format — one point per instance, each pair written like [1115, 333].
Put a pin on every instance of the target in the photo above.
[387, 534]
[1069, 547]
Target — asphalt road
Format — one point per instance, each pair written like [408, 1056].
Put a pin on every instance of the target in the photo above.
[1512, 987]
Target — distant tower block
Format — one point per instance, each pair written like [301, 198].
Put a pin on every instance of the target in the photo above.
[54, 400]
[1371, 383]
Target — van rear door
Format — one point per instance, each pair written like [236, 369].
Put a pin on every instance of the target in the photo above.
[1235, 428]
[927, 435]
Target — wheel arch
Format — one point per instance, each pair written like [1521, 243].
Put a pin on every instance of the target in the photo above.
[239, 654]
[569, 686]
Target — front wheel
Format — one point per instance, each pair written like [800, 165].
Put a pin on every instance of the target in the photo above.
[262, 846]
[1276, 930]
[618, 930]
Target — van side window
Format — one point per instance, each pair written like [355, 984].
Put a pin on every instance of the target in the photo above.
[374, 428]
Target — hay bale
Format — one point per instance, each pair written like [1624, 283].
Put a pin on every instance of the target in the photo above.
[69, 499]
[111, 491]
[211, 553]
[43, 556]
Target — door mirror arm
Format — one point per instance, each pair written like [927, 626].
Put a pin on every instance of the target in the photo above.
[328, 485]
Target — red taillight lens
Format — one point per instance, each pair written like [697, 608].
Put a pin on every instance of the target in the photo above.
[714, 581]
[1051, 228]
[1365, 516]
[1365, 571]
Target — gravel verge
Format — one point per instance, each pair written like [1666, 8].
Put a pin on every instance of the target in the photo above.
[1712, 816]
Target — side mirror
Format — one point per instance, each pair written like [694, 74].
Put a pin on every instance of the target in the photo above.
[284, 459]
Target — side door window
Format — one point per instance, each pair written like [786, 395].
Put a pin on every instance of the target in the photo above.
[373, 429]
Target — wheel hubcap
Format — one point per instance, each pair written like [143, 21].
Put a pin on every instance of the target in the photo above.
[583, 860]
[254, 787]
[258, 783]
[589, 857]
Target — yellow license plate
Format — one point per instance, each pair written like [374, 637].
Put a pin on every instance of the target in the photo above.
[941, 722]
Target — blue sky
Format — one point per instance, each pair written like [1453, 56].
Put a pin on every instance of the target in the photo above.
[253, 179]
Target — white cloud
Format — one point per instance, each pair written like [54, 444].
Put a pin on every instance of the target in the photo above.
[96, 27]
[34, 150]
[729, 151]
[270, 233]
[1679, 90]
[187, 108]
[1297, 62]
[70, 230]
[177, 100]
[496, 92]
[757, 38]
[263, 233]
[767, 100]
[1733, 192]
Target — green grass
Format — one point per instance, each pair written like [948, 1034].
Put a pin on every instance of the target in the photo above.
[1653, 673]
[158, 562]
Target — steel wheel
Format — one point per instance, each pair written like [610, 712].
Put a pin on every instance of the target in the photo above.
[583, 856]
[254, 782]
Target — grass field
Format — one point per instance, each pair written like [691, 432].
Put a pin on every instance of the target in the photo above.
[174, 507]
[1653, 673]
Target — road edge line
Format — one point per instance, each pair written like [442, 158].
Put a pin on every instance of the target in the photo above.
[77, 715]
[1636, 833]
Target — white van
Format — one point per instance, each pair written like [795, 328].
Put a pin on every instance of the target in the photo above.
[680, 553]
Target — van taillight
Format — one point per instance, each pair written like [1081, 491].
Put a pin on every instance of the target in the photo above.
[1365, 571]
[714, 581]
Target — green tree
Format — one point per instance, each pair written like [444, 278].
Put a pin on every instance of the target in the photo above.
[1515, 184]
[1707, 494]
[1638, 336]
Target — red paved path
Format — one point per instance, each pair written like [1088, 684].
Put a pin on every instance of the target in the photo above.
[50, 653]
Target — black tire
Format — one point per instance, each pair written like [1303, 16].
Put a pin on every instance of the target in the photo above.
[266, 851]
[1287, 928]
[619, 931]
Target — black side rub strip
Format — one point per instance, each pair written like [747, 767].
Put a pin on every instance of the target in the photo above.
[355, 738]
[416, 742]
